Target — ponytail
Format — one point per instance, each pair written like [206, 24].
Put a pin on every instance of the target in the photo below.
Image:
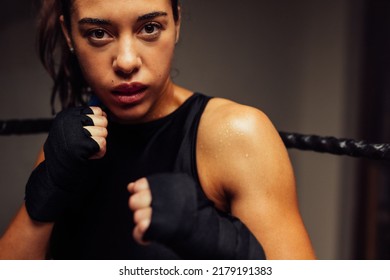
[69, 84]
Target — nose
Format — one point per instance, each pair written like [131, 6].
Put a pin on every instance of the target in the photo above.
[127, 60]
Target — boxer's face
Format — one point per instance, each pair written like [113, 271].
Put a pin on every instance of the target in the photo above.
[125, 49]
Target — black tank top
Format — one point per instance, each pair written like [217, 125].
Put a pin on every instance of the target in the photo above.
[102, 229]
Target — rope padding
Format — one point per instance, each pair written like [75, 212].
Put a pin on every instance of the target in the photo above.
[330, 145]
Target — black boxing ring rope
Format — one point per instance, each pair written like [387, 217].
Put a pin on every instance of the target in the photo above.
[330, 145]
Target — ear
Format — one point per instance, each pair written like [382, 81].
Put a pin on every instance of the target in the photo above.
[177, 25]
[66, 33]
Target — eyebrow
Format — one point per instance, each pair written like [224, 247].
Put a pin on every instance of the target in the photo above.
[94, 21]
[152, 16]
[144, 17]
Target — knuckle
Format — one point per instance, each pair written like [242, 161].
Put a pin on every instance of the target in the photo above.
[104, 131]
[97, 131]
[142, 184]
[101, 141]
[104, 121]
[142, 215]
[132, 203]
[130, 187]
[138, 216]
[100, 121]
[97, 110]
[145, 198]
[144, 225]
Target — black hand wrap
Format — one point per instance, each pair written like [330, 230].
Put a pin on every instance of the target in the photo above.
[59, 183]
[185, 221]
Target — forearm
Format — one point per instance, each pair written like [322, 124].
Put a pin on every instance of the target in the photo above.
[219, 236]
[25, 238]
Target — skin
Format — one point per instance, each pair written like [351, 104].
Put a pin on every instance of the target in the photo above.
[242, 163]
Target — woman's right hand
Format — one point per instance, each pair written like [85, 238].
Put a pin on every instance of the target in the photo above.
[98, 131]
[26, 238]
[60, 183]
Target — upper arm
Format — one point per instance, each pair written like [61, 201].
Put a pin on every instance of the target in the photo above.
[249, 167]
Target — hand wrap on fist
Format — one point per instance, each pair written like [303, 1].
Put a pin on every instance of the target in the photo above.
[185, 221]
[62, 179]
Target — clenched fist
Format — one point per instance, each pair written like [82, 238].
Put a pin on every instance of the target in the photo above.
[77, 137]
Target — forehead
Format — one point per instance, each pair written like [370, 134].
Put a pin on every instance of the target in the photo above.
[121, 8]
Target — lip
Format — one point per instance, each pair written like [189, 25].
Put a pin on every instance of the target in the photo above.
[129, 93]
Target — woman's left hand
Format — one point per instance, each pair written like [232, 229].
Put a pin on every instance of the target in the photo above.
[140, 202]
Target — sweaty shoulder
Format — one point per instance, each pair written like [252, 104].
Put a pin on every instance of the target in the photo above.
[237, 143]
[228, 116]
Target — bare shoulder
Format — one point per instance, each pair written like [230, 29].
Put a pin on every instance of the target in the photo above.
[229, 119]
[228, 109]
[238, 142]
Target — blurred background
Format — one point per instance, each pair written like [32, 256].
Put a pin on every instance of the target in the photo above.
[314, 67]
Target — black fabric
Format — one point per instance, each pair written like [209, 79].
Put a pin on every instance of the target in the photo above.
[102, 229]
[196, 231]
[59, 182]
[174, 207]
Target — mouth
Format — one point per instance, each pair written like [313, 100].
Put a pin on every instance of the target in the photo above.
[129, 94]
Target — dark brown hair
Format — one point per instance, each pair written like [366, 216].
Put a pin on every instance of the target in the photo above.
[63, 67]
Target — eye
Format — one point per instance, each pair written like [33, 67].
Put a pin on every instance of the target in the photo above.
[150, 28]
[98, 34]
[98, 37]
[151, 31]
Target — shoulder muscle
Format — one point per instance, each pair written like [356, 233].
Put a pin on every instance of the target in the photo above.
[241, 142]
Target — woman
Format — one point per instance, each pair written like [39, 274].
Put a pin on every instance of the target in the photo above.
[138, 169]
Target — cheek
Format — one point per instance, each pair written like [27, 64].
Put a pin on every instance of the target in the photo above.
[160, 59]
[93, 66]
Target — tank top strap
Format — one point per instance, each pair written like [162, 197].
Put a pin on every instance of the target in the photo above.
[186, 158]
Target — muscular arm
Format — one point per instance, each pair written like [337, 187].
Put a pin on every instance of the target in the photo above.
[244, 168]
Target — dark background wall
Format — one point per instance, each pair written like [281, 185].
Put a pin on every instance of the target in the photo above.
[298, 61]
